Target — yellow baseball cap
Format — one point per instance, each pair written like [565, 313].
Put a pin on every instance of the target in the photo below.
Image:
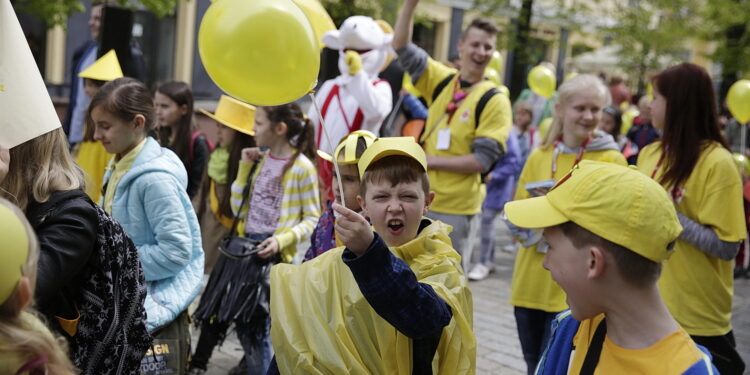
[234, 114]
[389, 146]
[348, 144]
[14, 251]
[617, 203]
[106, 68]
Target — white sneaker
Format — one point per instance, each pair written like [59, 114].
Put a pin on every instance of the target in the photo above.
[479, 272]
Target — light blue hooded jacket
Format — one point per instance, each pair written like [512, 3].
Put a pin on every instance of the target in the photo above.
[152, 205]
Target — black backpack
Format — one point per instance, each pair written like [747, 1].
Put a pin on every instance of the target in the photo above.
[111, 336]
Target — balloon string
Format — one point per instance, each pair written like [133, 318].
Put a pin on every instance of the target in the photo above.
[334, 158]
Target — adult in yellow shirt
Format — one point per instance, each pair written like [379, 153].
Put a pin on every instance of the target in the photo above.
[695, 166]
[572, 137]
[459, 144]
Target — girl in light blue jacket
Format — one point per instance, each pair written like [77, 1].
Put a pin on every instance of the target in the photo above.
[145, 190]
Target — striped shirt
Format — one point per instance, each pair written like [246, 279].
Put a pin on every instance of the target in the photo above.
[300, 204]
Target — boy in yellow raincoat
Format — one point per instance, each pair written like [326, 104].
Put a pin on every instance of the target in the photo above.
[393, 300]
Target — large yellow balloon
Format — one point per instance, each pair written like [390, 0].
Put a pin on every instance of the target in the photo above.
[318, 17]
[492, 75]
[738, 100]
[496, 62]
[263, 52]
[542, 81]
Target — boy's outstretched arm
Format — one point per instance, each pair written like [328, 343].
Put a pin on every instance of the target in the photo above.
[387, 282]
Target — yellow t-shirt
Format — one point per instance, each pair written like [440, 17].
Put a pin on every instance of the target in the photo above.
[120, 168]
[459, 193]
[532, 286]
[698, 287]
[673, 354]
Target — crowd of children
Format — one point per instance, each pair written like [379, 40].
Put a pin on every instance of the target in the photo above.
[617, 269]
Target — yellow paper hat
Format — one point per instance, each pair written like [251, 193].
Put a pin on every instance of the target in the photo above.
[20, 85]
[348, 144]
[382, 147]
[14, 251]
[617, 203]
[106, 68]
[234, 114]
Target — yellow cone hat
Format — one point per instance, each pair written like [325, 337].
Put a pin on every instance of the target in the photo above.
[106, 68]
[27, 110]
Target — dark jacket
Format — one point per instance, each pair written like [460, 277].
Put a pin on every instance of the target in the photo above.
[66, 226]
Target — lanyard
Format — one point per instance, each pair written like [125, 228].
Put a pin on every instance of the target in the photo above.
[658, 164]
[457, 97]
[675, 192]
[556, 153]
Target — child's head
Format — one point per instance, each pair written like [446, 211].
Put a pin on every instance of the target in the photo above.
[394, 189]
[608, 228]
[611, 122]
[523, 114]
[285, 124]
[348, 151]
[578, 108]
[122, 112]
[173, 102]
[39, 167]
[91, 86]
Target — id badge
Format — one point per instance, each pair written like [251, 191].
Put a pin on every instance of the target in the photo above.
[444, 139]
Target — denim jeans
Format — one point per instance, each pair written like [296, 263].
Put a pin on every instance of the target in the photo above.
[533, 332]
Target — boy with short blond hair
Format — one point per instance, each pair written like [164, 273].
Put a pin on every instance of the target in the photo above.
[609, 228]
[393, 300]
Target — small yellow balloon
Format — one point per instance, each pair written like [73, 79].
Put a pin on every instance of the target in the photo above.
[544, 127]
[650, 91]
[624, 106]
[492, 75]
[496, 62]
[318, 17]
[263, 52]
[542, 81]
[738, 100]
[627, 119]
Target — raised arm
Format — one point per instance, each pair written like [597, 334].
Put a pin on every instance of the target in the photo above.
[404, 25]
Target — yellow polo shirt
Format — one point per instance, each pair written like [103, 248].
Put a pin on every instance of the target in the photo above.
[698, 287]
[120, 168]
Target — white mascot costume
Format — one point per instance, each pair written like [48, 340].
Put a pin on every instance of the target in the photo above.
[357, 98]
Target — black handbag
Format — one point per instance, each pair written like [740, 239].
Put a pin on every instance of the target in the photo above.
[234, 246]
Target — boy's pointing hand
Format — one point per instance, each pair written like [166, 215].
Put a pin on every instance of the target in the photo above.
[353, 230]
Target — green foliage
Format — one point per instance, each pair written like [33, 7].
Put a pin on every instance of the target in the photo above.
[56, 12]
[339, 10]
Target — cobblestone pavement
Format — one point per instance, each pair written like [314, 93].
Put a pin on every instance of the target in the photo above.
[498, 349]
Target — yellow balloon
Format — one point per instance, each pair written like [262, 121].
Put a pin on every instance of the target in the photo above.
[738, 100]
[318, 17]
[496, 62]
[627, 120]
[492, 75]
[263, 52]
[542, 81]
[544, 126]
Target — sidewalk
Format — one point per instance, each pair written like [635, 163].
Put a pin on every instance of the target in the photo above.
[498, 349]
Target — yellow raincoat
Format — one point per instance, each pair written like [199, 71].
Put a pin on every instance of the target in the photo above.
[322, 324]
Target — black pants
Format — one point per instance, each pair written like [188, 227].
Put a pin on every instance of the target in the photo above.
[208, 339]
[725, 357]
